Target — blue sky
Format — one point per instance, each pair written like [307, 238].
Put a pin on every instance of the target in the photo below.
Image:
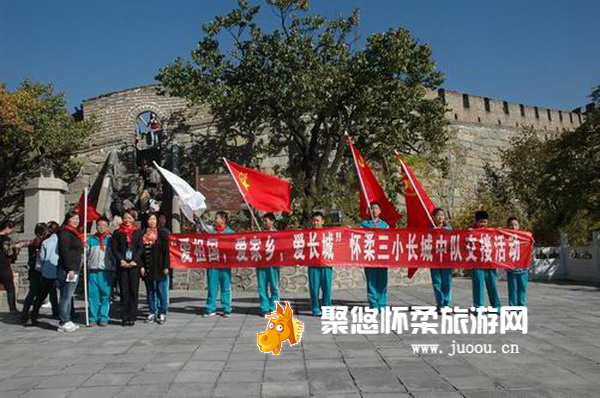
[539, 52]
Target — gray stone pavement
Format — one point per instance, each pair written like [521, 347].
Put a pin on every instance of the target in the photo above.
[191, 356]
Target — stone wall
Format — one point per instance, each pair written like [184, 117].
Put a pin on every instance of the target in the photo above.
[473, 109]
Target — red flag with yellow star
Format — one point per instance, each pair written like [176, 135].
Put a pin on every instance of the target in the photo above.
[371, 191]
[261, 190]
[418, 204]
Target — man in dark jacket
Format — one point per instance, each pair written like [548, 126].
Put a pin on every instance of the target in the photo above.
[8, 255]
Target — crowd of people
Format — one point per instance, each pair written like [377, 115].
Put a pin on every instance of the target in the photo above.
[129, 254]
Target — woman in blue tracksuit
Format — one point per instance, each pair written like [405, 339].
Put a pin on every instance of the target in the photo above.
[377, 278]
[441, 278]
[218, 278]
[518, 278]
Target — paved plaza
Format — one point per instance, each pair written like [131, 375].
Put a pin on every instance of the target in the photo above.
[192, 356]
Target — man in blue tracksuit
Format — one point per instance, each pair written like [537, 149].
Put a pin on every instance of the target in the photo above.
[486, 277]
[319, 278]
[267, 278]
[441, 278]
[218, 278]
[377, 278]
[517, 278]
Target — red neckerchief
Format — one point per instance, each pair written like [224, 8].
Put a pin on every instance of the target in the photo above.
[220, 228]
[150, 236]
[75, 232]
[101, 237]
[128, 232]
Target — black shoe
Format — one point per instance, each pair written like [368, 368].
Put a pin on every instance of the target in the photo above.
[124, 323]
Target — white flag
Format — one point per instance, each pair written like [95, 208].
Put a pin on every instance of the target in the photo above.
[190, 200]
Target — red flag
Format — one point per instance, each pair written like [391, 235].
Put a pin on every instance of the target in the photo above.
[418, 204]
[371, 191]
[92, 214]
[261, 190]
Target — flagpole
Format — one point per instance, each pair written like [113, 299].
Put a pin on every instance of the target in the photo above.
[85, 287]
[243, 196]
[362, 184]
[414, 188]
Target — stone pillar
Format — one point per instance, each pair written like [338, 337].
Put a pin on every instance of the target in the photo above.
[44, 201]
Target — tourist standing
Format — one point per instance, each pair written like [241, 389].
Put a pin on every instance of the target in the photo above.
[34, 270]
[70, 256]
[156, 270]
[128, 250]
[49, 282]
[8, 255]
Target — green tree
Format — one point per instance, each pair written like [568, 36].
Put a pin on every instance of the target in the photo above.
[294, 90]
[34, 123]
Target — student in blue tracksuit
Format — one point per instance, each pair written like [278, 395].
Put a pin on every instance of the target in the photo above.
[377, 278]
[101, 272]
[319, 278]
[441, 278]
[218, 278]
[268, 278]
[517, 279]
[486, 277]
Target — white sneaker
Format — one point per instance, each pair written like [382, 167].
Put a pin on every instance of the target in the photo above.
[150, 318]
[47, 304]
[161, 319]
[67, 327]
[208, 314]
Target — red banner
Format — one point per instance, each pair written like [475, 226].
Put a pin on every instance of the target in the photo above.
[355, 247]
